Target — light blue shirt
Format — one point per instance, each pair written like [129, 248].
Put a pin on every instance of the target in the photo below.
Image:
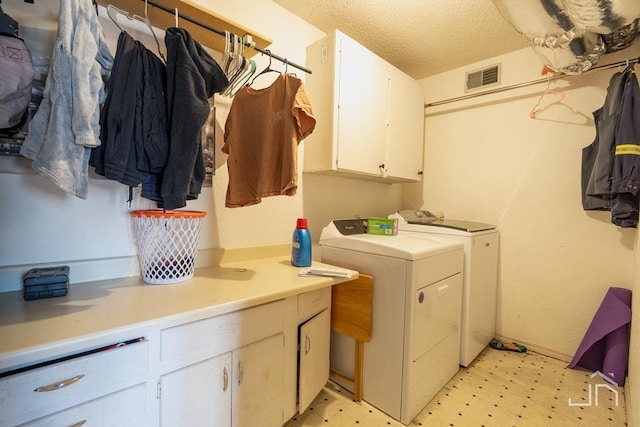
[67, 123]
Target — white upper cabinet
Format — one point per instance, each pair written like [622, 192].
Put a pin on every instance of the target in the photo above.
[369, 114]
[406, 127]
[362, 89]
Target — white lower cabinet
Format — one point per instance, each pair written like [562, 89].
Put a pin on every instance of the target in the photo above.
[315, 336]
[238, 388]
[250, 367]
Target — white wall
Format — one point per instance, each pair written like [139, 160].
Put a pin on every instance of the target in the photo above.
[42, 225]
[487, 160]
[632, 387]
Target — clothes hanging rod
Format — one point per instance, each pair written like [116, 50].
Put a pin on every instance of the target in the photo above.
[529, 83]
[223, 34]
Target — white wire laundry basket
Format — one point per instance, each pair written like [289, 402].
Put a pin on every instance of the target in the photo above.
[167, 244]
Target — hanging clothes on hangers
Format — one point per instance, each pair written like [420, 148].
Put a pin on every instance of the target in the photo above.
[625, 185]
[262, 133]
[597, 158]
[193, 77]
[66, 125]
[133, 122]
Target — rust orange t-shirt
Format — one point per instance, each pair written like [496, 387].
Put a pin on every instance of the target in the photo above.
[262, 133]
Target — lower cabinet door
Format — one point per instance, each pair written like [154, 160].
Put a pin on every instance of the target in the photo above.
[197, 395]
[315, 336]
[258, 387]
[125, 408]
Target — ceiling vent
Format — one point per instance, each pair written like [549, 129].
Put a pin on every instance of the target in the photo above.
[478, 79]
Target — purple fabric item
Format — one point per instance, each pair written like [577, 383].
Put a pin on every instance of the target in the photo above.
[605, 346]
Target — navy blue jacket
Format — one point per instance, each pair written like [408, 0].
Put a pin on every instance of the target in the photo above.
[625, 185]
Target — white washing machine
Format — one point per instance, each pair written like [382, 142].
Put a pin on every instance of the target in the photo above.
[417, 301]
[480, 286]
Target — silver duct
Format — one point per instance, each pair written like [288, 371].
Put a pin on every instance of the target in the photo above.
[570, 36]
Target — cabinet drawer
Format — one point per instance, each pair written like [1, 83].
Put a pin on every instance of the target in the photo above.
[205, 338]
[312, 303]
[125, 408]
[60, 385]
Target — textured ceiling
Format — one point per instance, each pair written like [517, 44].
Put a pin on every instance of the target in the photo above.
[421, 37]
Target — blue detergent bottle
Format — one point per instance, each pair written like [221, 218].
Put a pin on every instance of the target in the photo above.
[301, 245]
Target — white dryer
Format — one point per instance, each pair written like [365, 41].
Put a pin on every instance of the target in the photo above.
[480, 286]
[417, 301]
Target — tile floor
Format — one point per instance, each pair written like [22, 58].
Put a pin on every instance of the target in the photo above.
[500, 389]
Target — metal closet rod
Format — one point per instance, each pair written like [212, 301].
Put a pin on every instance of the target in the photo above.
[530, 83]
[223, 34]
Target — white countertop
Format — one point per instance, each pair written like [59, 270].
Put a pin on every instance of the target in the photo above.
[31, 331]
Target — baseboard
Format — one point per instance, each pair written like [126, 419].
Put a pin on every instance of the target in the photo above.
[627, 403]
[539, 349]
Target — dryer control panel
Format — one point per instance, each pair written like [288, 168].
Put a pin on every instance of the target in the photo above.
[348, 227]
[418, 216]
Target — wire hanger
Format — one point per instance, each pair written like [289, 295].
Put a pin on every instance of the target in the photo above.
[148, 22]
[266, 70]
[236, 58]
[113, 13]
[243, 75]
[226, 56]
[629, 66]
[548, 91]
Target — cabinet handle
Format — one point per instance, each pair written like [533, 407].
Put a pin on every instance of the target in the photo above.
[240, 371]
[307, 344]
[79, 423]
[225, 379]
[59, 385]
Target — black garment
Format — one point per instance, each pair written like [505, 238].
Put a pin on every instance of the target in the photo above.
[597, 158]
[152, 140]
[114, 158]
[133, 122]
[193, 76]
[152, 146]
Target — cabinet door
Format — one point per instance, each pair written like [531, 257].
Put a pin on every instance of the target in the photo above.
[197, 395]
[363, 105]
[258, 383]
[406, 127]
[315, 336]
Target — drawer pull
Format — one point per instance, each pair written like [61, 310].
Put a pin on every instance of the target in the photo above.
[79, 423]
[225, 379]
[59, 385]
